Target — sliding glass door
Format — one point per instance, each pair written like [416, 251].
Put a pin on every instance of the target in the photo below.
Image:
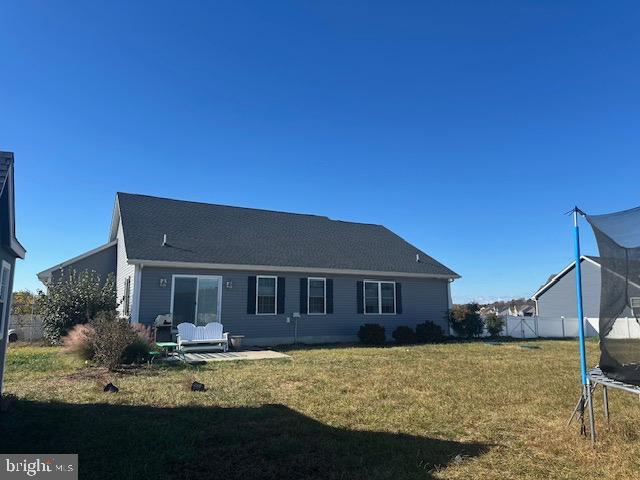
[196, 299]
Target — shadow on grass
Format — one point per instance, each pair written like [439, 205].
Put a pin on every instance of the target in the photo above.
[194, 442]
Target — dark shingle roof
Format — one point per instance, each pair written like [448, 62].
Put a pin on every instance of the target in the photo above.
[206, 233]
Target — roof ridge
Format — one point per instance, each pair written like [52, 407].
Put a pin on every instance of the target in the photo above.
[248, 208]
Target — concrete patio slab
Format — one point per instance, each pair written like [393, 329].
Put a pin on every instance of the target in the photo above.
[196, 357]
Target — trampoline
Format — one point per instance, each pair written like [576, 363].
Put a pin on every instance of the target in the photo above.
[618, 238]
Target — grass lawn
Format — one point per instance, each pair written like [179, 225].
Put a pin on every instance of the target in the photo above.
[435, 411]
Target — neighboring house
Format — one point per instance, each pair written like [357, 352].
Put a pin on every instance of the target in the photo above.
[10, 249]
[510, 311]
[489, 310]
[264, 274]
[527, 311]
[557, 298]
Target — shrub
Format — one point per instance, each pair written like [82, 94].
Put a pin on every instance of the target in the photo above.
[139, 349]
[429, 332]
[113, 337]
[404, 335]
[372, 334]
[74, 298]
[135, 352]
[79, 342]
[466, 320]
[494, 324]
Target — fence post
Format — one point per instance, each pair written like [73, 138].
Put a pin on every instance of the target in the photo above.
[562, 319]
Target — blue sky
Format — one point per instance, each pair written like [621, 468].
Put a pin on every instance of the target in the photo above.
[468, 128]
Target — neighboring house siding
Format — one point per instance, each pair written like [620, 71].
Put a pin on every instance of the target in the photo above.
[560, 299]
[103, 262]
[9, 258]
[422, 300]
[124, 270]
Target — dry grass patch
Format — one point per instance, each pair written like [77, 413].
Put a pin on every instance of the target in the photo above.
[468, 410]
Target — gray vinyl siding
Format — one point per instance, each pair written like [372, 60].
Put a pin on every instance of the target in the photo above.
[102, 262]
[422, 300]
[560, 299]
[124, 270]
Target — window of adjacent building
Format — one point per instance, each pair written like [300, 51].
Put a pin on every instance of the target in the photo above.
[379, 297]
[266, 294]
[317, 296]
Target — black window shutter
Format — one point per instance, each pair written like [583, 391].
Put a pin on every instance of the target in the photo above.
[280, 294]
[251, 295]
[398, 297]
[303, 296]
[329, 294]
[360, 296]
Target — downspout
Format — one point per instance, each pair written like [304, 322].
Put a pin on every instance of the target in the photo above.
[137, 278]
[449, 304]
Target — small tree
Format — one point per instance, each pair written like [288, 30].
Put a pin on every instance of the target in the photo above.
[24, 302]
[74, 298]
[466, 320]
[494, 324]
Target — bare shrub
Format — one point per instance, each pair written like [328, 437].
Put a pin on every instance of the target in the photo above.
[80, 342]
[113, 336]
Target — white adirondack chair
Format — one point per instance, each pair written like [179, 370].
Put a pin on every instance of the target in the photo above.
[210, 336]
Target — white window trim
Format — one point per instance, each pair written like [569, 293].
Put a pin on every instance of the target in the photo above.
[364, 298]
[324, 281]
[275, 304]
[198, 277]
[7, 297]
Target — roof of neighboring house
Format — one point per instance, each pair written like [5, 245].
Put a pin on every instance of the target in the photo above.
[218, 234]
[46, 274]
[555, 278]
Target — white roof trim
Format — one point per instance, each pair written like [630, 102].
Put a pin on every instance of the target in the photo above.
[564, 271]
[47, 273]
[274, 268]
[115, 220]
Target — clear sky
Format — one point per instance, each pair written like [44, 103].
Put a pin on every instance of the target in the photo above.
[468, 128]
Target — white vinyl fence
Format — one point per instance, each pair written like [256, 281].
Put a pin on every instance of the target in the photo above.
[565, 327]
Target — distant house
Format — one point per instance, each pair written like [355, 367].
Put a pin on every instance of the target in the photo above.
[557, 297]
[263, 274]
[10, 249]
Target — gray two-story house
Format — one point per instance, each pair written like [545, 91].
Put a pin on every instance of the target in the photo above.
[271, 276]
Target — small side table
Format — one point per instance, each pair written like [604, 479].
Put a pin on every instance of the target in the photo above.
[167, 347]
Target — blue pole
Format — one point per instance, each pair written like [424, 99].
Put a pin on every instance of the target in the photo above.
[583, 353]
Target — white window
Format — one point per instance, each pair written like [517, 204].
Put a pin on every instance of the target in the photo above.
[4, 294]
[317, 296]
[266, 295]
[379, 297]
[635, 302]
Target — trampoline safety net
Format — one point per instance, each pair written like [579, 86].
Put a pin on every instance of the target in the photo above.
[618, 238]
